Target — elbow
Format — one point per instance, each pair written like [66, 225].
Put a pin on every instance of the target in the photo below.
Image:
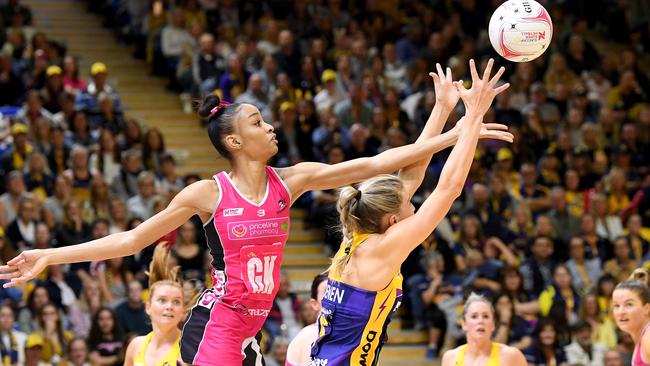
[450, 189]
[127, 243]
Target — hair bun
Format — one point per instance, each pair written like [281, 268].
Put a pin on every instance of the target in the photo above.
[639, 275]
[209, 102]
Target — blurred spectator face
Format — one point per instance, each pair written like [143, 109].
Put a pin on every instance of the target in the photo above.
[480, 194]
[280, 351]
[622, 249]
[335, 155]
[154, 139]
[283, 81]
[107, 141]
[187, 233]
[178, 20]
[27, 210]
[344, 65]
[528, 174]
[133, 163]
[58, 138]
[562, 277]
[544, 226]
[587, 224]
[590, 135]
[16, 184]
[100, 230]
[627, 81]
[572, 180]
[255, 84]
[644, 118]
[558, 199]
[78, 352]
[134, 292]
[634, 224]
[613, 358]
[599, 204]
[42, 236]
[359, 48]
[542, 248]
[168, 167]
[575, 117]
[558, 63]
[285, 285]
[285, 40]
[358, 135]
[583, 336]
[41, 297]
[395, 137]
[206, 43]
[577, 249]
[379, 120]
[61, 187]
[317, 47]
[118, 209]
[7, 318]
[628, 134]
[547, 336]
[496, 185]
[80, 122]
[576, 44]
[146, 187]
[69, 66]
[79, 157]
[105, 321]
[470, 228]
[389, 52]
[512, 281]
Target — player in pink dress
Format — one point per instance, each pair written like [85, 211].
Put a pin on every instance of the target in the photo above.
[631, 309]
[246, 216]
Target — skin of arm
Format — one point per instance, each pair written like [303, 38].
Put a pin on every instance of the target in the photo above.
[131, 350]
[190, 201]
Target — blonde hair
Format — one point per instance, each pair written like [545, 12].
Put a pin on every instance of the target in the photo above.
[161, 272]
[637, 283]
[362, 209]
[474, 297]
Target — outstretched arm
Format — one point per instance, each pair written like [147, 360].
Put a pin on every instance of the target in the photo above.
[416, 228]
[190, 201]
[446, 98]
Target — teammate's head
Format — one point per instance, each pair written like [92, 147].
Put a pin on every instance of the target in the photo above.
[238, 129]
[631, 302]
[372, 207]
[478, 317]
[318, 291]
[165, 306]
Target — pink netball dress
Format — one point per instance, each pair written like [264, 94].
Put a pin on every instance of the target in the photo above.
[637, 359]
[246, 240]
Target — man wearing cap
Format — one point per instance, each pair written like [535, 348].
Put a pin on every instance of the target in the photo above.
[330, 95]
[15, 158]
[53, 90]
[87, 100]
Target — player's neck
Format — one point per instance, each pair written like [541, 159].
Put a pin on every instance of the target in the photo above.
[165, 336]
[478, 347]
[249, 177]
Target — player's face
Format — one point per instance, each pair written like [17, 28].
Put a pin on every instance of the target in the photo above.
[628, 310]
[165, 308]
[256, 138]
[479, 321]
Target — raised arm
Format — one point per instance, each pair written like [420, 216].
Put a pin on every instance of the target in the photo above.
[197, 198]
[310, 176]
[401, 238]
[446, 99]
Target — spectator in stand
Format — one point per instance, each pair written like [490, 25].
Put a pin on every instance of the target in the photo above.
[105, 339]
[72, 83]
[12, 346]
[131, 314]
[284, 317]
[582, 351]
[87, 100]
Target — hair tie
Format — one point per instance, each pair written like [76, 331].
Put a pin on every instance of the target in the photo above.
[347, 250]
[358, 195]
[216, 109]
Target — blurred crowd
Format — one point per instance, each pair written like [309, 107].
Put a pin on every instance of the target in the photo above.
[546, 226]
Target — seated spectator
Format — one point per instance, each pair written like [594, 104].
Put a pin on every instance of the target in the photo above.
[89, 302]
[72, 83]
[10, 199]
[108, 116]
[596, 246]
[256, 96]
[80, 174]
[623, 264]
[603, 328]
[12, 346]
[537, 269]
[50, 336]
[80, 132]
[11, 87]
[175, 40]
[639, 243]
[125, 184]
[207, 66]
[566, 224]
[354, 109]
[330, 95]
[59, 154]
[278, 354]
[106, 160]
[560, 294]
[72, 229]
[167, 179]
[105, 339]
[53, 90]
[284, 317]
[38, 180]
[141, 204]
[32, 110]
[582, 351]
[234, 79]
[16, 157]
[153, 146]
[87, 100]
[189, 255]
[77, 353]
[584, 272]
[113, 279]
[21, 231]
[53, 207]
[559, 73]
[608, 226]
[294, 138]
[545, 349]
[131, 314]
[512, 329]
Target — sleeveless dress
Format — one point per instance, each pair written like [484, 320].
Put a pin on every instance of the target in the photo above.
[492, 361]
[246, 240]
[353, 322]
[172, 358]
[637, 358]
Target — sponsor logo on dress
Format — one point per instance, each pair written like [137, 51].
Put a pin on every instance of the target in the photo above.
[227, 212]
[244, 230]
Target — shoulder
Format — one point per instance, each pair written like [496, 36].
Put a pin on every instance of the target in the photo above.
[135, 344]
[512, 356]
[450, 356]
[201, 194]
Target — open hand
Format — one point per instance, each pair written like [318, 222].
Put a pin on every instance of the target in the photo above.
[446, 92]
[23, 268]
[479, 97]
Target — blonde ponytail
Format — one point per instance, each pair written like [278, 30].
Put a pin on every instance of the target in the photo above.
[637, 283]
[361, 210]
[161, 272]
